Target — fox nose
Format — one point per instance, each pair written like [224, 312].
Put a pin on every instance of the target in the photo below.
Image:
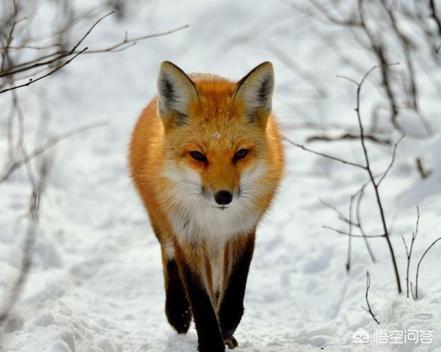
[223, 197]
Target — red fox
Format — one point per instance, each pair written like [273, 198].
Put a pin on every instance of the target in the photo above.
[206, 158]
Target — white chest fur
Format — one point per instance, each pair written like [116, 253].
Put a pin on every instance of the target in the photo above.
[197, 221]
[194, 216]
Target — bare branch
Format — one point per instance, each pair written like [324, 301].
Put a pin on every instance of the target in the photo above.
[409, 251]
[348, 220]
[340, 215]
[57, 68]
[58, 55]
[344, 233]
[377, 48]
[369, 308]
[360, 223]
[90, 30]
[63, 57]
[368, 169]
[324, 155]
[126, 42]
[406, 47]
[419, 264]
[348, 136]
[372, 179]
[348, 260]
[49, 144]
[434, 15]
[392, 160]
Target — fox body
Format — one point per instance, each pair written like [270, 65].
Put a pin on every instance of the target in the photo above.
[206, 158]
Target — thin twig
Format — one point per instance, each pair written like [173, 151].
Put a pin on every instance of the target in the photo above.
[414, 236]
[344, 233]
[61, 58]
[10, 36]
[49, 144]
[58, 55]
[392, 160]
[419, 264]
[335, 158]
[360, 223]
[133, 41]
[372, 179]
[434, 15]
[340, 215]
[409, 251]
[406, 47]
[411, 291]
[369, 308]
[378, 49]
[90, 30]
[348, 136]
[32, 81]
[367, 168]
[348, 260]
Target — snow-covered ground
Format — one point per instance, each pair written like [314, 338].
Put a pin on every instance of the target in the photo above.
[96, 281]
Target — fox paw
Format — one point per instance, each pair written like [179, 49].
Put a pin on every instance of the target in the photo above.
[179, 321]
[231, 342]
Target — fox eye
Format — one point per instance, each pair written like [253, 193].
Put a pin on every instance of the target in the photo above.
[198, 156]
[240, 154]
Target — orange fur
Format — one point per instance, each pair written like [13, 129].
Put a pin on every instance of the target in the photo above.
[217, 127]
[147, 148]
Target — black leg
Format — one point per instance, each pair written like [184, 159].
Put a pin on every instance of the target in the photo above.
[177, 307]
[207, 326]
[231, 308]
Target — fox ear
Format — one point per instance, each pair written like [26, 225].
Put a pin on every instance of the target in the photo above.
[255, 90]
[175, 92]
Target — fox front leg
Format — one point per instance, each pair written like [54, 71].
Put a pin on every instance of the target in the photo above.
[209, 334]
[231, 307]
[177, 307]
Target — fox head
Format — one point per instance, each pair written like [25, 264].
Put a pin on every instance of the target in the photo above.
[215, 139]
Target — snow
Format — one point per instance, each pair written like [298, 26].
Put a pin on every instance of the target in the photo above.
[96, 280]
